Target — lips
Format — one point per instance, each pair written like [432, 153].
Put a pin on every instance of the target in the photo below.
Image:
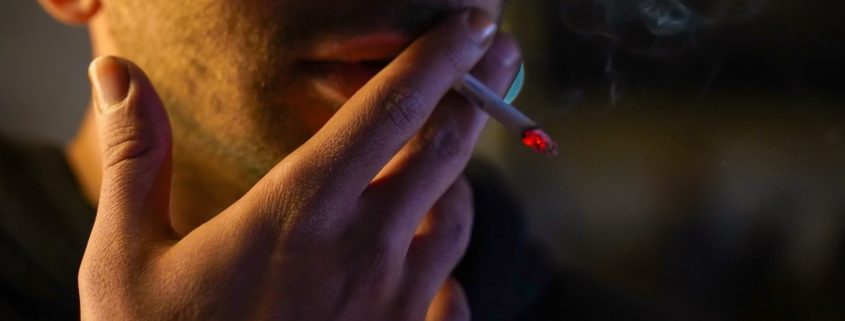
[339, 68]
[341, 80]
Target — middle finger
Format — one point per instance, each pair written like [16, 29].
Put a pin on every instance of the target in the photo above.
[422, 171]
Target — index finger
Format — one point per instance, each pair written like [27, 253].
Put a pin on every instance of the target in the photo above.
[380, 118]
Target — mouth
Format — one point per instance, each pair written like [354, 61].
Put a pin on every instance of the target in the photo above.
[341, 68]
[339, 80]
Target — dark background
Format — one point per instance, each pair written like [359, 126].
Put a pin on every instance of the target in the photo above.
[702, 173]
[43, 73]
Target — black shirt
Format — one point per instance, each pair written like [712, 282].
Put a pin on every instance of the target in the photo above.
[44, 226]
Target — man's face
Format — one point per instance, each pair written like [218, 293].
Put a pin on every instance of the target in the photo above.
[247, 81]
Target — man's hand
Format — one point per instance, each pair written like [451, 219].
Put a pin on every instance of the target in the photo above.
[365, 221]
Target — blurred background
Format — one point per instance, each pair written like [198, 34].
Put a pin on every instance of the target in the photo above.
[702, 171]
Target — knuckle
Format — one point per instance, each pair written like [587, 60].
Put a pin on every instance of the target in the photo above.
[460, 52]
[124, 152]
[508, 43]
[457, 235]
[374, 250]
[449, 142]
[379, 252]
[299, 206]
[457, 228]
[450, 244]
[457, 54]
[125, 142]
[369, 267]
[403, 104]
[316, 223]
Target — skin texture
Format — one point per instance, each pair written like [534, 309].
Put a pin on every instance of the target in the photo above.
[230, 189]
[228, 74]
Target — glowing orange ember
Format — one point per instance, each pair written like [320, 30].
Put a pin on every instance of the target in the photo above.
[539, 141]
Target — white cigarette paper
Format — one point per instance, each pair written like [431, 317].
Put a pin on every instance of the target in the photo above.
[514, 120]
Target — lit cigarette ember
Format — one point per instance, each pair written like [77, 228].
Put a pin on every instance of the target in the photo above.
[538, 140]
[514, 120]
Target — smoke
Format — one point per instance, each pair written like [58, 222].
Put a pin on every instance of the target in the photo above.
[662, 18]
[653, 29]
[668, 17]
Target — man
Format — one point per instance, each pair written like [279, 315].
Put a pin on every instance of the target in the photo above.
[272, 159]
[307, 167]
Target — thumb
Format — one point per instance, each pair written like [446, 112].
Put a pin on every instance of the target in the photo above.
[450, 303]
[135, 141]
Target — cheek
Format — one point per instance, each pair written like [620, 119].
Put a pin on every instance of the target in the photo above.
[307, 107]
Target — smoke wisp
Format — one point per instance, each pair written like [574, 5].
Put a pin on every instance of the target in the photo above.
[661, 18]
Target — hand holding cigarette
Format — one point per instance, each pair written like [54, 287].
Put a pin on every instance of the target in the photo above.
[333, 231]
[513, 120]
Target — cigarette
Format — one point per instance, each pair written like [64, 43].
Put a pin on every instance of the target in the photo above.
[514, 121]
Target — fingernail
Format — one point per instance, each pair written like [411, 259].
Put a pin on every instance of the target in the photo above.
[506, 53]
[483, 27]
[110, 79]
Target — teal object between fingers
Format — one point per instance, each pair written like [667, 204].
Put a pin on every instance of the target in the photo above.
[517, 85]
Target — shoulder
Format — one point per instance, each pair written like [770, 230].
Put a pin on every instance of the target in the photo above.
[44, 227]
[36, 183]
